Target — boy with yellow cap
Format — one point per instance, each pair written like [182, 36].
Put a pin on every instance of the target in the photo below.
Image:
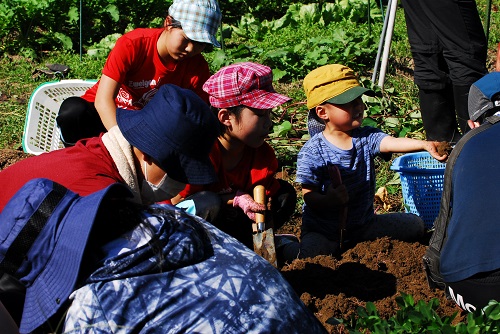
[336, 169]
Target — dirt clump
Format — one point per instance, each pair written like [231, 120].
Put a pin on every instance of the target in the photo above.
[444, 148]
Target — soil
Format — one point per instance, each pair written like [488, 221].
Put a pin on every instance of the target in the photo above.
[375, 271]
[444, 148]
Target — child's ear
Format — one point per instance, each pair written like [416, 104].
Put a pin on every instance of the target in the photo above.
[223, 116]
[321, 112]
[167, 22]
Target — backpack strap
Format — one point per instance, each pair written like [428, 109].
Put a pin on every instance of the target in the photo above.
[20, 247]
[432, 255]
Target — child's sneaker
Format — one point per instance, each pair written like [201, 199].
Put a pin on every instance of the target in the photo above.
[280, 240]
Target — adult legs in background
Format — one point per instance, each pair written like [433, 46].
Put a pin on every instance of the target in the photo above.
[78, 119]
[449, 53]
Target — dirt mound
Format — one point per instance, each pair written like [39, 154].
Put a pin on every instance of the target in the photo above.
[372, 271]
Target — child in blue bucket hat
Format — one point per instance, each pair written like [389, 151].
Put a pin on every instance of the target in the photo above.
[102, 264]
[336, 171]
[155, 151]
[140, 62]
[44, 230]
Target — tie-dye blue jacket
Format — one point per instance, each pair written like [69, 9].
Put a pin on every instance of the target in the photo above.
[195, 279]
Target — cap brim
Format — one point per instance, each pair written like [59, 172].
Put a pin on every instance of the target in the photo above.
[350, 95]
[264, 100]
[201, 36]
[57, 281]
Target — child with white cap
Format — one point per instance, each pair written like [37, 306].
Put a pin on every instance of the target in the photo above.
[338, 139]
[141, 61]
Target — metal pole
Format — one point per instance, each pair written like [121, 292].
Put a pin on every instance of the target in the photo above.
[387, 45]
[381, 42]
[369, 24]
[81, 30]
[488, 16]
[223, 47]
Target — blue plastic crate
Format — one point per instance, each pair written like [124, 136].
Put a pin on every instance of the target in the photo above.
[422, 179]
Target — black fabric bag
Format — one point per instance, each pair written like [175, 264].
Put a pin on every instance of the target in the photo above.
[12, 293]
[431, 258]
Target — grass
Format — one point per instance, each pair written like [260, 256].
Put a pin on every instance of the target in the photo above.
[17, 84]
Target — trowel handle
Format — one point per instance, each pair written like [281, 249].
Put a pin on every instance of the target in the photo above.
[259, 196]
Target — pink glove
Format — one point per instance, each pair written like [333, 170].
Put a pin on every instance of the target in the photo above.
[247, 204]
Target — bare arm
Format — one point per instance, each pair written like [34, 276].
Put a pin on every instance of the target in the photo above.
[404, 145]
[105, 100]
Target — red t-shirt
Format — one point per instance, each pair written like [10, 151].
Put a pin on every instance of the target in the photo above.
[84, 168]
[134, 62]
[257, 167]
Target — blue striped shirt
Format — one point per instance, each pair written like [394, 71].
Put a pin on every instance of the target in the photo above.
[357, 170]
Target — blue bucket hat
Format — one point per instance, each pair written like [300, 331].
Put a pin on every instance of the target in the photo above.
[44, 230]
[199, 19]
[176, 129]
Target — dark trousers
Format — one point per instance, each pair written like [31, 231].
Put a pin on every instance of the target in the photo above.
[78, 119]
[449, 50]
[475, 292]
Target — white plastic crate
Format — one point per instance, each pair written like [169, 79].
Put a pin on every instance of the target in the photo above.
[40, 131]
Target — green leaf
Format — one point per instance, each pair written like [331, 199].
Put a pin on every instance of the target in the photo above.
[113, 12]
[65, 40]
[282, 129]
[73, 15]
[367, 121]
[278, 74]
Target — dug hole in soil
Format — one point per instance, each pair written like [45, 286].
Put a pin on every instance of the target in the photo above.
[375, 271]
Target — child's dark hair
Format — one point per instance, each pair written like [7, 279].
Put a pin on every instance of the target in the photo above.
[175, 23]
[236, 111]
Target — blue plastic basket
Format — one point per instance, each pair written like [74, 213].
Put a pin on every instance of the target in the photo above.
[422, 179]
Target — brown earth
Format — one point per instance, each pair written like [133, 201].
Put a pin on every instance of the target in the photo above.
[374, 271]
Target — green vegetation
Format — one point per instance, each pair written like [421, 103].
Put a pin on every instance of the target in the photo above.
[290, 37]
[420, 317]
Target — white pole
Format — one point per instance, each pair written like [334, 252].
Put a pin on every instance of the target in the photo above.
[381, 43]
[387, 45]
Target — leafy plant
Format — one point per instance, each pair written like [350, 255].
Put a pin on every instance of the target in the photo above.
[419, 317]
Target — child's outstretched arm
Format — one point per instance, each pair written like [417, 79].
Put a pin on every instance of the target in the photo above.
[105, 101]
[404, 145]
[334, 197]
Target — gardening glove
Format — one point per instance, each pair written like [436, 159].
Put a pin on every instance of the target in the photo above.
[247, 204]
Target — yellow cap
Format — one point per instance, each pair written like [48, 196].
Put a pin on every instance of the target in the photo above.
[332, 83]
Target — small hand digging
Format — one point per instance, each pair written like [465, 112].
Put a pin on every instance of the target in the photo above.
[263, 240]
